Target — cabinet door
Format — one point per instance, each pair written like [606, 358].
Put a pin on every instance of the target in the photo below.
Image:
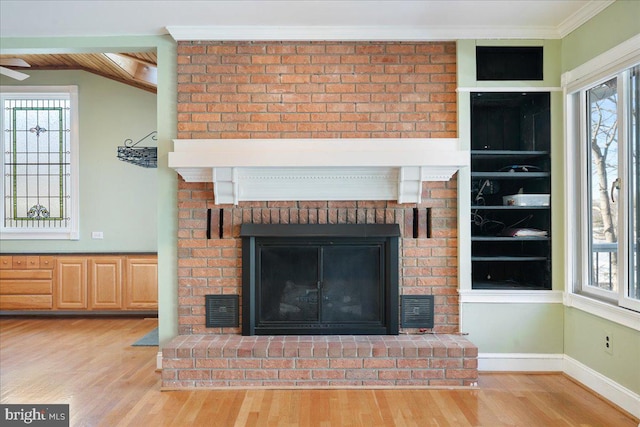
[105, 283]
[142, 284]
[71, 283]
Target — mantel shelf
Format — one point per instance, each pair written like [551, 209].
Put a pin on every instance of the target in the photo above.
[317, 169]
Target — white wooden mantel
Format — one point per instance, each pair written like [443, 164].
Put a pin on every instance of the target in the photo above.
[317, 169]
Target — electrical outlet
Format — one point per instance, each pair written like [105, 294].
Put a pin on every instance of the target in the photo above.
[97, 235]
[608, 342]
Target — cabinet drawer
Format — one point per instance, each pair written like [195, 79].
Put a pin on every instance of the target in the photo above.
[26, 302]
[26, 261]
[24, 287]
[6, 262]
[26, 274]
[46, 262]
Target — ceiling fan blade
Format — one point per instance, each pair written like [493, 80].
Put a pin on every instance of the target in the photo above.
[13, 74]
[14, 62]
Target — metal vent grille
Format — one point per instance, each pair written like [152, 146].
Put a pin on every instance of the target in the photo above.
[221, 311]
[417, 311]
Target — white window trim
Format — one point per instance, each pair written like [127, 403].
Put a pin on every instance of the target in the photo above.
[587, 75]
[597, 69]
[605, 310]
[72, 232]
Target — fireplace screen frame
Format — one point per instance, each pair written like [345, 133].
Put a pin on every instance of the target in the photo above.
[385, 237]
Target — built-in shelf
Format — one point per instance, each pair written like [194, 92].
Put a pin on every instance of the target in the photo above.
[508, 239]
[506, 285]
[510, 175]
[508, 208]
[510, 154]
[508, 258]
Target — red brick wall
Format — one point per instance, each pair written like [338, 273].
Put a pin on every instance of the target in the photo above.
[315, 90]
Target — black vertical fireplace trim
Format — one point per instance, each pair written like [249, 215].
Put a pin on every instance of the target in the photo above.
[251, 233]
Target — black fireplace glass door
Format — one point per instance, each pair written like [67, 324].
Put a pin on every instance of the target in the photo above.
[351, 284]
[289, 278]
[320, 279]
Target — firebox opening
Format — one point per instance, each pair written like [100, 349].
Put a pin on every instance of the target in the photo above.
[320, 279]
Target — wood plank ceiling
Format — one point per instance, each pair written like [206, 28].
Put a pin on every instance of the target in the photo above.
[134, 69]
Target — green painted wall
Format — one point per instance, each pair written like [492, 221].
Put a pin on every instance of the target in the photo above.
[514, 328]
[116, 198]
[612, 26]
[584, 342]
[165, 190]
[584, 332]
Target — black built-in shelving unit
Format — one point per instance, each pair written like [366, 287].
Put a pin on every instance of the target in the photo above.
[510, 154]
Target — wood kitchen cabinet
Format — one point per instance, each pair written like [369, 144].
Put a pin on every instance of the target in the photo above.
[26, 282]
[78, 283]
[71, 283]
[142, 283]
[105, 283]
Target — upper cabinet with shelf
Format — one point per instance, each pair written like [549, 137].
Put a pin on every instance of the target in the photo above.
[510, 190]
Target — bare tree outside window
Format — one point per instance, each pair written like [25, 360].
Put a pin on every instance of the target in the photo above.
[603, 100]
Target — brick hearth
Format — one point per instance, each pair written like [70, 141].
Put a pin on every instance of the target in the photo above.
[211, 361]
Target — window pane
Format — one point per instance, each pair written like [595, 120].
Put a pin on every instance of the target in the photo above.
[603, 197]
[36, 162]
[634, 141]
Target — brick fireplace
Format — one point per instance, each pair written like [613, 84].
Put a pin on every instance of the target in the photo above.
[289, 90]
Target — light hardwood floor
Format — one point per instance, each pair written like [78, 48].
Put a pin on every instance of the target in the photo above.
[91, 365]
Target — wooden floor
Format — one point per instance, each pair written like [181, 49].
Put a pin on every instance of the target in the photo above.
[91, 365]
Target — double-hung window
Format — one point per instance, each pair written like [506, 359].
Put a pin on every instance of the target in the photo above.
[603, 175]
[39, 162]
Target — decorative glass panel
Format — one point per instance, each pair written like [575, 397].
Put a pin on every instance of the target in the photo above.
[37, 163]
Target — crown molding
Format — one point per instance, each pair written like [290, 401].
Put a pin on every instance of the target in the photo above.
[357, 33]
[385, 32]
[588, 11]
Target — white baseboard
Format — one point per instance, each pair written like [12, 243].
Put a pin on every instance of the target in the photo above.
[607, 388]
[159, 361]
[532, 362]
[520, 362]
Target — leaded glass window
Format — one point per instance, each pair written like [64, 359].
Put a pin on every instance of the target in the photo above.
[38, 165]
